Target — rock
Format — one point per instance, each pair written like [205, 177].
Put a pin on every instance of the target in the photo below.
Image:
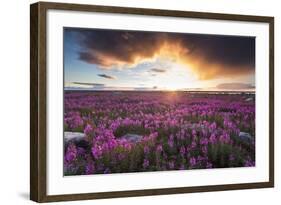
[245, 137]
[116, 93]
[132, 137]
[73, 136]
[197, 126]
[249, 99]
[77, 138]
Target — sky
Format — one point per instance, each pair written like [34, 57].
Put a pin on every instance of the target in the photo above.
[140, 60]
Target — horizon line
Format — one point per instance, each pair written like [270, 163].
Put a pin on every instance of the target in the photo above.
[161, 90]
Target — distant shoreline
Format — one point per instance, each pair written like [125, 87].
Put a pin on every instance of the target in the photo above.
[155, 91]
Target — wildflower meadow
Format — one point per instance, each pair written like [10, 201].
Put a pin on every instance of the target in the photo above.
[139, 131]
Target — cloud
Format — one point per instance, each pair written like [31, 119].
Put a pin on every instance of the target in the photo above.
[208, 56]
[235, 86]
[83, 86]
[90, 84]
[158, 70]
[145, 88]
[107, 76]
[108, 48]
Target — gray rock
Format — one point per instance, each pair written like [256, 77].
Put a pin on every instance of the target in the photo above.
[73, 136]
[245, 137]
[132, 137]
[197, 126]
[77, 138]
[249, 99]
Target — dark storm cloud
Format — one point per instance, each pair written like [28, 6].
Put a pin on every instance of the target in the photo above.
[227, 50]
[107, 48]
[235, 86]
[209, 56]
[217, 56]
[106, 76]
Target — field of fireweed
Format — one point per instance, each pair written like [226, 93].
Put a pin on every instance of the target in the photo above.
[119, 132]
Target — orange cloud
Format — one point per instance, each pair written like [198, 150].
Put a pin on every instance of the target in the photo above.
[207, 56]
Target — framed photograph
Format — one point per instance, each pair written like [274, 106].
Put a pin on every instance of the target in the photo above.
[135, 102]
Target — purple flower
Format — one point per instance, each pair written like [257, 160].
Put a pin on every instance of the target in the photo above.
[159, 148]
[205, 150]
[213, 126]
[192, 161]
[145, 163]
[146, 149]
[209, 165]
[203, 141]
[182, 151]
[128, 146]
[73, 120]
[97, 151]
[185, 124]
[194, 132]
[107, 171]
[121, 156]
[90, 169]
[248, 162]
[88, 129]
[171, 137]
[213, 138]
[224, 138]
[171, 143]
[171, 164]
[71, 153]
[193, 144]
[81, 151]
